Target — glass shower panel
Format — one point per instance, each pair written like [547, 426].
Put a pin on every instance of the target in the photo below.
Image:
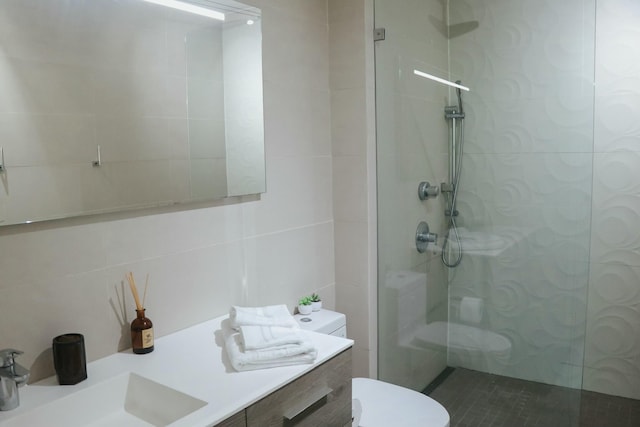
[525, 192]
[516, 305]
[412, 147]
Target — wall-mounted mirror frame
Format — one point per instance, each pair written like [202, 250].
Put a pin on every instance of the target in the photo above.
[112, 105]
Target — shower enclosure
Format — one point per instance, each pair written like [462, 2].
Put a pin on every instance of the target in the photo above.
[548, 285]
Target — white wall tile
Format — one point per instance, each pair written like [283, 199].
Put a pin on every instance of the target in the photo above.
[612, 220]
[615, 128]
[328, 296]
[351, 251]
[352, 112]
[616, 173]
[611, 379]
[347, 37]
[528, 167]
[212, 275]
[305, 180]
[611, 352]
[360, 362]
[350, 188]
[296, 120]
[314, 11]
[33, 255]
[298, 53]
[153, 236]
[285, 266]
[348, 124]
[345, 10]
[40, 309]
[350, 299]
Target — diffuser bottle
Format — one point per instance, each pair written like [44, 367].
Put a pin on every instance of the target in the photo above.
[141, 333]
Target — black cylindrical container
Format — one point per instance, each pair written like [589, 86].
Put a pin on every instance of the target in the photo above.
[69, 359]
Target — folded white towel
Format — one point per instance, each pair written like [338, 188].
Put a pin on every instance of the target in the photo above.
[272, 315]
[285, 355]
[262, 337]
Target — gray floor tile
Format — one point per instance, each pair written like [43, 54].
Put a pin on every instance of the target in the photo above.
[477, 399]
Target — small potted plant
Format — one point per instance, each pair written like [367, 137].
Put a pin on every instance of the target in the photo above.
[316, 302]
[304, 305]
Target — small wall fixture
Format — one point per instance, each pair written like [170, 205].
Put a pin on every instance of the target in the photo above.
[2, 159]
[187, 7]
[98, 161]
[439, 80]
[427, 191]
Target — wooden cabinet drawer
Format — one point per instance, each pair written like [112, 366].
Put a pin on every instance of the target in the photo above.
[320, 398]
[237, 420]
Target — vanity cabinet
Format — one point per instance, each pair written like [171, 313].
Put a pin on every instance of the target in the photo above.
[237, 420]
[320, 398]
[317, 394]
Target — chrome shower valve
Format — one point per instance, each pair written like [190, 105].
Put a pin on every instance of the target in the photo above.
[427, 191]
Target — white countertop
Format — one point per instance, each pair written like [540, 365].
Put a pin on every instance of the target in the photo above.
[194, 362]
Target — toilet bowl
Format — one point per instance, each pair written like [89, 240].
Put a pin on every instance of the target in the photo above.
[383, 404]
[386, 405]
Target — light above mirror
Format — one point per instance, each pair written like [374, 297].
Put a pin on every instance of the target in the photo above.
[186, 7]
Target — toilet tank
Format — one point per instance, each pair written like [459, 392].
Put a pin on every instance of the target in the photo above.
[324, 321]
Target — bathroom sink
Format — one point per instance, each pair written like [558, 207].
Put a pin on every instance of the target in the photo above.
[126, 400]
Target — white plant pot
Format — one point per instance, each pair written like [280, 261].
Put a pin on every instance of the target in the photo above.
[305, 309]
[316, 305]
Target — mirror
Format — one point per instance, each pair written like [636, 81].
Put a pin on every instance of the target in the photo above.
[109, 105]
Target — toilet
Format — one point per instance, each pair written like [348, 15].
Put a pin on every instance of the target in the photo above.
[383, 404]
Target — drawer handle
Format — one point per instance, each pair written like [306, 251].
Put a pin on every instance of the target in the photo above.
[313, 399]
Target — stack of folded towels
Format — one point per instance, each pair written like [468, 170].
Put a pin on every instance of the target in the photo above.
[266, 337]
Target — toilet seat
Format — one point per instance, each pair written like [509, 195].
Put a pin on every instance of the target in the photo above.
[385, 405]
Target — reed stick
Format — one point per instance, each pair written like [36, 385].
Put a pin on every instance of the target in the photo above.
[134, 290]
[146, 284]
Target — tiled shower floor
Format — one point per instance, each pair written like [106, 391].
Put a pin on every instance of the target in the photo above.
[476, 399]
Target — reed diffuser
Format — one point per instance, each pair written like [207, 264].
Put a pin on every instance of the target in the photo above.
[141, 326]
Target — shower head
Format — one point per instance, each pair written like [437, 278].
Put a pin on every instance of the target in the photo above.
[455, 30]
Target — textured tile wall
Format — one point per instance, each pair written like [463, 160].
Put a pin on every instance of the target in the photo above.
[534, 164]
[612, 353]
[526, 182]
[349, 30]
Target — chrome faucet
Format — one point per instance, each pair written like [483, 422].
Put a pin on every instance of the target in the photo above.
[12, 375]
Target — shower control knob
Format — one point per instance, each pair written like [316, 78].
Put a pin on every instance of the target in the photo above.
[424, 237]
[427, 191]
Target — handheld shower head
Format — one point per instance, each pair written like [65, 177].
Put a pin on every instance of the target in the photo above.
[459, 93]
